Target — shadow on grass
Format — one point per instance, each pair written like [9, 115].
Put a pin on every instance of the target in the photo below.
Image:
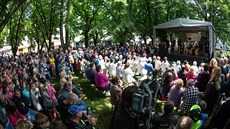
[100, 103]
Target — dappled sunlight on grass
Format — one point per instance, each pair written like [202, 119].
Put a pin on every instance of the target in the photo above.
[99, 102]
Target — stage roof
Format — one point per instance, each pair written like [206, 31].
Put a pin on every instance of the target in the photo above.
[182, 24]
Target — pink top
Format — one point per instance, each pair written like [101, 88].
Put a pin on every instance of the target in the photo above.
[14, 118]
[191, 76]
[174, 81]
[101, 80]
[51, 92]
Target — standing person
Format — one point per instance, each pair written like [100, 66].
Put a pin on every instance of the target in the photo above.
[112, 68]
[190, 97]
[211, 95]
[101, 79]
[52, 64]
[165, 64]
[119, 69]
[203, 78]
[158, 64]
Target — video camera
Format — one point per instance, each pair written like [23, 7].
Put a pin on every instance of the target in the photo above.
[144, 100]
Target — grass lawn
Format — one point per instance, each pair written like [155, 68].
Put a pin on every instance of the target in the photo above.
[95, 99]
[100, 103]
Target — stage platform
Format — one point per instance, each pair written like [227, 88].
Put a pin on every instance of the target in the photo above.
[189, 58]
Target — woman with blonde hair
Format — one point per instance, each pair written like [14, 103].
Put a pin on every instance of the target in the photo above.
[176, 92]
[215, 75]
[24, 124]
[62, 79]
[191, 73]
[211, 94]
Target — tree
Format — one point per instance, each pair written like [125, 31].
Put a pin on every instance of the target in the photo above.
[16, 28]
[217, 12]
[119, 22]
[7, 9]
[44, 21]
[85, 13]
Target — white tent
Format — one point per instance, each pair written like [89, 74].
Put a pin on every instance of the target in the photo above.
[188, 25]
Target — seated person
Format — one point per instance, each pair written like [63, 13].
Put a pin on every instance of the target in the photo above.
[65, 92]
[24, 124]
[167, 119]
[176, 92]
[64, 105]
[184, 122]
[101, 79]
[78, 120]
[91, 72]
[58, 125]
[41, 121]
[196, 114]
[68, 88]
[115, 91]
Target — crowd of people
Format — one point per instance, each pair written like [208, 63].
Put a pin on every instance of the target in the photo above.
[28, 99]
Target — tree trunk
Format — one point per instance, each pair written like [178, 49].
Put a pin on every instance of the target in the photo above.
[86, 39]
[61, 23]
[95, 38]
[67, 36]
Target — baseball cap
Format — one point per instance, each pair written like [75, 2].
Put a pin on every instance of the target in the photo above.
[73, 110]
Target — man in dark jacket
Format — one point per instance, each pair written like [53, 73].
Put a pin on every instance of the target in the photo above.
[64, 105]
[91, 72]
[123, 118]
[20, 101]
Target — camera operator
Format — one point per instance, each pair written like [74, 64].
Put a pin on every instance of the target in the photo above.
[123, 117]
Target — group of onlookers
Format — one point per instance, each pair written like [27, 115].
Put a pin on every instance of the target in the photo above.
[28, 99]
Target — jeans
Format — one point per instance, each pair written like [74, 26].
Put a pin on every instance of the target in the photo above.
[31, 115]
[9, 125]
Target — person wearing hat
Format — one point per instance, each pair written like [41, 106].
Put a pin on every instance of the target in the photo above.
[197, 116]
[64, 105]
[78, 120]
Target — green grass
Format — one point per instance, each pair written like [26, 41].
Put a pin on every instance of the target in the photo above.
[100, 103]
[94, 98]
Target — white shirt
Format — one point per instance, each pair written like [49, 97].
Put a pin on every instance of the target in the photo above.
[128, 76]
[157, 64]
[165, 65]
[112, 69]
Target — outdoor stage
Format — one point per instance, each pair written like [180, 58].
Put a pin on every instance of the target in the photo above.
[189, 58]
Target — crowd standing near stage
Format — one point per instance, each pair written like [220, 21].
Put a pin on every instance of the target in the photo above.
[28, 99]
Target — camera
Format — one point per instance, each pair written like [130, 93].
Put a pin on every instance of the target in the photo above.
[144, 101]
